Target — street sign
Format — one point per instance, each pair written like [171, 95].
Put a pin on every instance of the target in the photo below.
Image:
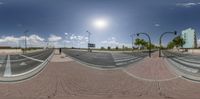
[91, 45]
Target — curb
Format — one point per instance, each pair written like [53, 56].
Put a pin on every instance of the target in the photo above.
[181, 74]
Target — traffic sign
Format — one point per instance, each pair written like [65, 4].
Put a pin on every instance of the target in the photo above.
[91, 45]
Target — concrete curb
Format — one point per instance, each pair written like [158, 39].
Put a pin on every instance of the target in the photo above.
[181, 74]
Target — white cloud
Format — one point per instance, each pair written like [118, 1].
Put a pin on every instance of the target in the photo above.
[112, 42]
[75, 40]
[1, 3]
[157, 25]
[35, 38]
[78, 38]
[66, 34]
[8, 39]
[188, 4]
[54, 38]
[32, 40]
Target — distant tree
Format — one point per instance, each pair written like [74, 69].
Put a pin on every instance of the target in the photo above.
[116, 48]
[109, 47]
[102, 48]
[126, 48]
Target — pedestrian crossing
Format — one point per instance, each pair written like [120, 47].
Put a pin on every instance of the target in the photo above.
[121, 59]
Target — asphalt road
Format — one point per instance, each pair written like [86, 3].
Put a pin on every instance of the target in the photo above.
[96, 58]
[106, 59]
[11, 65]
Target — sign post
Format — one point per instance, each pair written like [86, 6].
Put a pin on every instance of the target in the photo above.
[90, 45]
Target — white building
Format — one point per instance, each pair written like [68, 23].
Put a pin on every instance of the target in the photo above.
[189, 35]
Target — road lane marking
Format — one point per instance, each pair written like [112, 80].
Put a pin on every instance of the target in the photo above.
[42, 65]
[150, 80]
[32, 58]
[22, 64]
[7, 72]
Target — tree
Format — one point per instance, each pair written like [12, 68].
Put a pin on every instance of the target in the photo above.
[102, 48]
[116, 48]
[141, 42]
[137, 42]
[126, 48]
[109, 47]
[178, 41]
[170, 45]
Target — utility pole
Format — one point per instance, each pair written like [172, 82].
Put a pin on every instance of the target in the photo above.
[25, 40]
[132, 41]
[88, 40]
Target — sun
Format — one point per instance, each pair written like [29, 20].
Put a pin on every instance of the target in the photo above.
[100, 23]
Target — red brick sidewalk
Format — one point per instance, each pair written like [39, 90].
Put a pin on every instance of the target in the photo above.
[71, 80]
[153, 68]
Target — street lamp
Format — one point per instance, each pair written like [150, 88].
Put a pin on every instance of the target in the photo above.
[138, 34]
[88, 40]
[46, 43]
[25, 40]
[161, 40]
[132, 41]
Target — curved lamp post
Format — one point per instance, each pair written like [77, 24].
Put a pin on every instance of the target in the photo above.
[138, 34]
[161, 40]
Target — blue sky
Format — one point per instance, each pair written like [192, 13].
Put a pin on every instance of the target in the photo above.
[65, 22]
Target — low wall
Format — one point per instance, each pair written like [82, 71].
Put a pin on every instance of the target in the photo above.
[194, 51]
[10, 51]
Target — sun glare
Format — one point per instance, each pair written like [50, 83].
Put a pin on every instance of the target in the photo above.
[100, 23]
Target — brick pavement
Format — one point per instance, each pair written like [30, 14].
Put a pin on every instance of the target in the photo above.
[71, 80]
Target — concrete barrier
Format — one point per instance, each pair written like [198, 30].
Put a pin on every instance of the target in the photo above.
[10, 51]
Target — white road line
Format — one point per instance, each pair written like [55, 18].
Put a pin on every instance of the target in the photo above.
[150, 80]
[7, 72]
[32, 58]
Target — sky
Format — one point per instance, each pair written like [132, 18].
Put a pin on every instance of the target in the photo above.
[63, 23]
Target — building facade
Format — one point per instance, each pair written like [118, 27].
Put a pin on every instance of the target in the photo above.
[189, 35]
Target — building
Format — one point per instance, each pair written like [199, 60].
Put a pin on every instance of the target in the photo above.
[189, 35]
